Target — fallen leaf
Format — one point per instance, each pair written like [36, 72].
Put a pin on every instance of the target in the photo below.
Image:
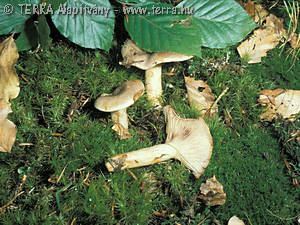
[200, 95]
[212, 192]
[263, 39]
[9, 89]
[295, 40]
[9, 81]
[257, 12]
[285, 103]
[235, 221]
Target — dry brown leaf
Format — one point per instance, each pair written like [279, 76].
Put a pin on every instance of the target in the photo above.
[212, 192]
[9, 81]
[235, 221]
[257, 12]
[285, 103]
[9, 89]
[294, 40]
[263, 40]
[200, 95]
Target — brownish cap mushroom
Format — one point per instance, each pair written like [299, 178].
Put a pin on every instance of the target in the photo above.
[151, 63]
[188, 140]
[118, 101]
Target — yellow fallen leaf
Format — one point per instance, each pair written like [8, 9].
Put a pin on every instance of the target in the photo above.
[9, 89]
[200, 95]
[285, 103]
[263, 40]
[257, 12]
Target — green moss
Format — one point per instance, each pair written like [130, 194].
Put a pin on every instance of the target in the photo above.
[74, 146]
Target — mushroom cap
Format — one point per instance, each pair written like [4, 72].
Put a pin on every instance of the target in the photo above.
[235, 221]
[121, 98]
[8, 130]
[192, 140]
[134, 56]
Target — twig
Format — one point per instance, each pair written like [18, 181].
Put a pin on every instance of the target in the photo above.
[217, 100]
[61, 174]
[73, 221]
[10, 202]
[202, 221]
[132, 174]
[290, 218]
[85, 179]
[25, 144]
[248, 218]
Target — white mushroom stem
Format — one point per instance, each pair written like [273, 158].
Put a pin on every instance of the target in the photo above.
[120, 117]
[142, 157]
[154, 85]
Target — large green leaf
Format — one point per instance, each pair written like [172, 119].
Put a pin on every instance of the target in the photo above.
[13, 15]
[196, 23]
[54, 3]
[87, 29]
[29, 36]
[163, 32]
[221, 23]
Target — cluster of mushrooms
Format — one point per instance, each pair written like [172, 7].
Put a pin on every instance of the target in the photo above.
[188, 140]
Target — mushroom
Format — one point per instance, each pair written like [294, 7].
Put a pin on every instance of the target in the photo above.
[8, 130]
[152, 64]
[9, 89]
[118, 101]
[188, 140]
[235, 221]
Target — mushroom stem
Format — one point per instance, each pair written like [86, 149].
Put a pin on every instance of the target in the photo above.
[142, 157]
[153, 85]
[120, 123]
[120, 117]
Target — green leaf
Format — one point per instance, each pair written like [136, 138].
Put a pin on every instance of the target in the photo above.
[14, 19]
[29, 36]
[221, 23]
[44, 32]
[155, 32]
[89, 29]
[54, 3]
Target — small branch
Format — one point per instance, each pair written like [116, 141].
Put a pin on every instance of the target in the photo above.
[217, 100]
[290, 218]
[10, 202]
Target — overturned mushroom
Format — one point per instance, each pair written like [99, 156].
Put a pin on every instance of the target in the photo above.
[188, 140]
[117, 103]
[151, 63]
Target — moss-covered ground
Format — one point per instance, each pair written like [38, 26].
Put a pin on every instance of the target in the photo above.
[68, 142]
